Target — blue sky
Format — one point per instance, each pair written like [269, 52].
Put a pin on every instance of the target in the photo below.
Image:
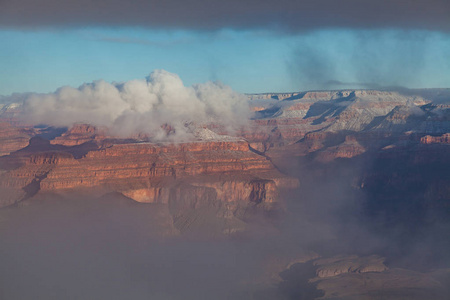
[250, 60]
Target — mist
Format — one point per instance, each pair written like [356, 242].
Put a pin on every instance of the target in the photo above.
[82, 246]
[389, 200]
[77, 247]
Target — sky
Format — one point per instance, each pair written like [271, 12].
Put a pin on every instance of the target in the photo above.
[252, 46]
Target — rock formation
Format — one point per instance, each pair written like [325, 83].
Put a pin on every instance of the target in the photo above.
[221, 178]
[231, 173]
[12, 138]
[335, 266]
[443, 139]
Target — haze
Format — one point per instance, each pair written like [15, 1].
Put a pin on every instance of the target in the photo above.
[224, 149]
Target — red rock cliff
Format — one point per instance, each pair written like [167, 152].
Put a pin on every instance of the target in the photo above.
[150, 172]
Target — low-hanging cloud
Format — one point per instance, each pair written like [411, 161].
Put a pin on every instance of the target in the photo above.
[212, 15]
[140, 106]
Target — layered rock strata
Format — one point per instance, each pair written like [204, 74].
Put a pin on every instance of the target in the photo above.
[12, 138]
[153, 173]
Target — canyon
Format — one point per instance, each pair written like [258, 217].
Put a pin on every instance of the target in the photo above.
[374, 161]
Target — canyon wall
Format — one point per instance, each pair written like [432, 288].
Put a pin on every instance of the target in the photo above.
[217, 169]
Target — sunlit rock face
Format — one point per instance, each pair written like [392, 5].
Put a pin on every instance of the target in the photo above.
[214, 181]
[329, 195]
[328, 125]
[240, 168]
[77, 135]
[148, 168]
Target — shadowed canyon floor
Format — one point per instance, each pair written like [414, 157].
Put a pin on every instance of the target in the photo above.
[323, 195]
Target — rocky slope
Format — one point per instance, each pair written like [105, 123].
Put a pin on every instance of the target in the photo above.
[328, 173]
[219, 178]
[318, 122]
[12, 138]
[230, 170]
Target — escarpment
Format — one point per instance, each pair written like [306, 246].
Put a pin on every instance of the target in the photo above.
[153, 172]
[12, 138]
[221, 173]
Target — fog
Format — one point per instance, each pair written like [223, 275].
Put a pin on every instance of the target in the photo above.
[85, 247]
[93, 246]
[111, 248]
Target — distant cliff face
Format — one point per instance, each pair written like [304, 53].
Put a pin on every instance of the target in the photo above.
[137, 163]
[230, 173]
[225, 178]
[330, 194]
[319, 122]
[12, 138]
[443, 139]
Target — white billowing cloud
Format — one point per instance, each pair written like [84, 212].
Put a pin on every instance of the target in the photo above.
[140, 106]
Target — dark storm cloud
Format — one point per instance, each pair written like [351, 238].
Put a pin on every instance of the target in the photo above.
[215, 14]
